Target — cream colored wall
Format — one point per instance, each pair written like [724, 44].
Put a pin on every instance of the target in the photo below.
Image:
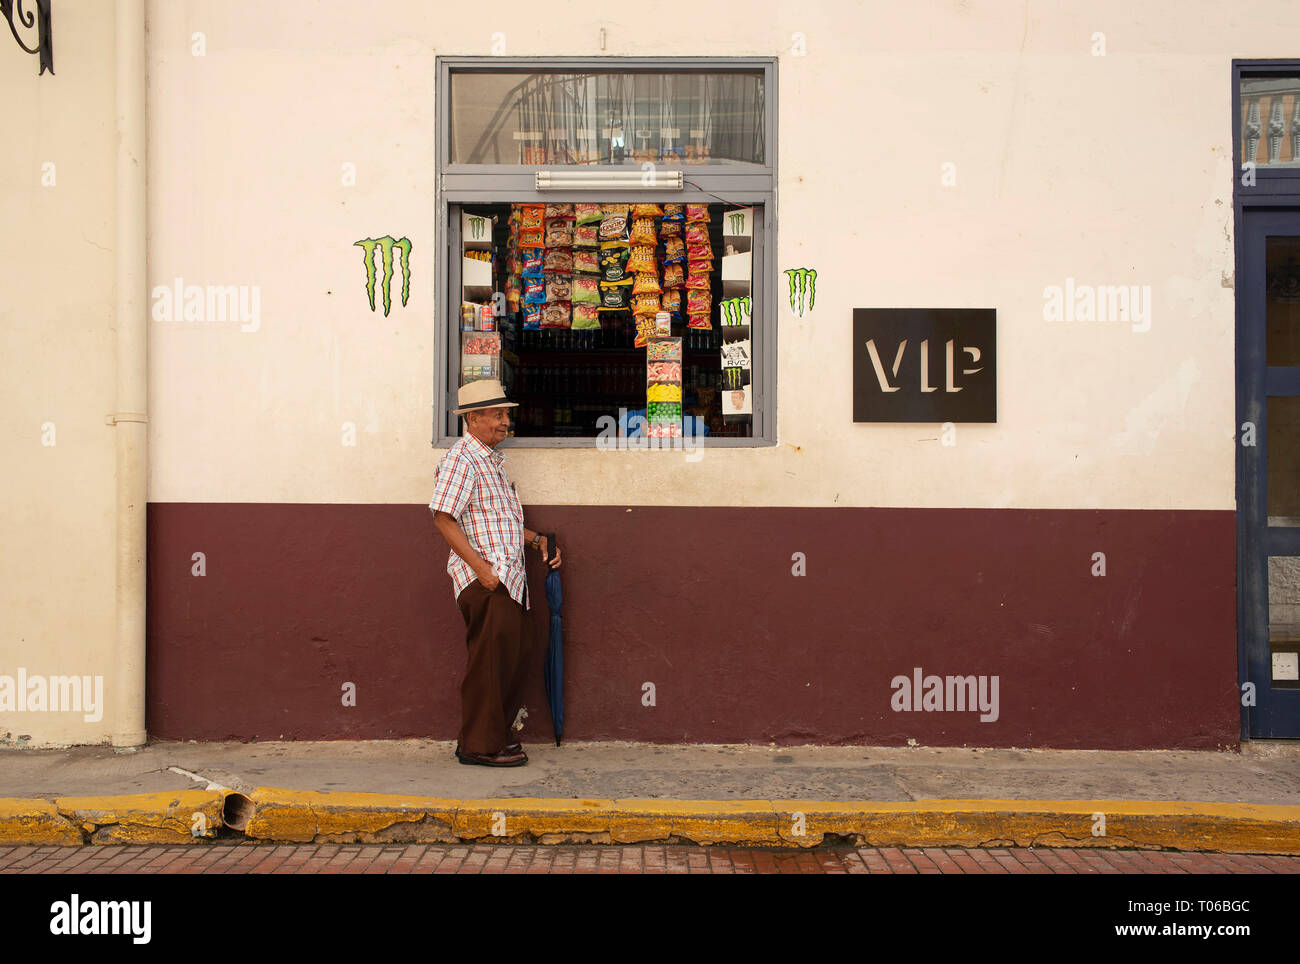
[1110, 169]
[56, 321]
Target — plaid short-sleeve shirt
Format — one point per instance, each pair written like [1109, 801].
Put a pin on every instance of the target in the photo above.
[472, 488]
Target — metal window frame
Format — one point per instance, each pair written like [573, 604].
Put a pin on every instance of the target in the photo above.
[1270, 183]
[458, 184]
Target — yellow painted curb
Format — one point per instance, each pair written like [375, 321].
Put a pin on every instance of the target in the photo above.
[303, 816]
[171, 817]
[35, 821]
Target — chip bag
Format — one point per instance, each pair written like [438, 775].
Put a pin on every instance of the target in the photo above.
[698, 302]
[559, 233]
[586, 236]
[697, 212]
[647, 282]
[586, 316]
[559, 287]
[674, 251]
[559, 211]
[558, 259]
[532, 215]
[556, 314]
[646, 211]
[643, 231]
[587, 213]
[697, 280]
[586, 291]
[587, 261]
[697, 233]
[643, 260]
[704, 321]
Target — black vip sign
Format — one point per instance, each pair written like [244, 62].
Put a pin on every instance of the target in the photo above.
[925, 365]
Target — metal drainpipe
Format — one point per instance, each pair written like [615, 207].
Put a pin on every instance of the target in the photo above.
[130, 420]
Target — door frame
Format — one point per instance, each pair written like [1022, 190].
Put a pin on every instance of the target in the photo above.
[1272, 200]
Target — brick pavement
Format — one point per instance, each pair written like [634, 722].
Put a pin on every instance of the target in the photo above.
[247, 858]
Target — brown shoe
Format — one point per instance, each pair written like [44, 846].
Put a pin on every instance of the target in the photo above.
[503, 759]
[514, 748]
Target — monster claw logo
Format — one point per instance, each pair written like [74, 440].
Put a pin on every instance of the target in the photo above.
[386, 245]
[803, 289]
[737, 222]
[477, 227]
[735, 311]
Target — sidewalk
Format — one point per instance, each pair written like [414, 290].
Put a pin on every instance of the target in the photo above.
[415, 792]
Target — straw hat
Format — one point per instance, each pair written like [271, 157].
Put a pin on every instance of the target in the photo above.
[484, 393]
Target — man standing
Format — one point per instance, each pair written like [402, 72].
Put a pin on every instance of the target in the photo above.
[476, 510]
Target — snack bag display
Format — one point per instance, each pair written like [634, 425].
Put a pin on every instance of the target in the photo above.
[559, 233]
[532, 317]
[616, 295]
[698, 301]
[532, 237]
[613, 224]
[643, 260]
[586, 236]
[671, 300]
[534, 291]
[646, 211]
[585, 261]
[586, 316]
[674, 251]
[559, 211]
[558, 259]
[643, 231]
[532, 215]
[674, 212]
[645, 330]
[558, 287]
[674, 276]
[645, 304]
[613, 261]
[704, 321]
[586, 290]
[670, 229]
[646, 283]
[587, 213]
[556, 314]
[533, 261]
[697, 212]
[698, 280]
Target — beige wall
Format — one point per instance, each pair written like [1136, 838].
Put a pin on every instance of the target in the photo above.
[1107, 169]
[56, 325]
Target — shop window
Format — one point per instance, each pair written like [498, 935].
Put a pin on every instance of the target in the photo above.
[634, 301]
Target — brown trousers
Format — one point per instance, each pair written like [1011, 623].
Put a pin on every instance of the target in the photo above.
[500, 650]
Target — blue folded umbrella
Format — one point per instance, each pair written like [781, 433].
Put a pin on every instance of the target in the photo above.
[555, 650]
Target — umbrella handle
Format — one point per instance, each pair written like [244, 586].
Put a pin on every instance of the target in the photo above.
[551, 544]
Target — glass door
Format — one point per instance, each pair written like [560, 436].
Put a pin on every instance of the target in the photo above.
[1268, 471]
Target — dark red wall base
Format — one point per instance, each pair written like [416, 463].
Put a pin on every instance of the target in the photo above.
[702, 603]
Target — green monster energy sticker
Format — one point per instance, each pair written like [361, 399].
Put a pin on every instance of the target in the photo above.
[386, 245]
[735, 311]
[477, 227]
[736, 222]
[803, 289]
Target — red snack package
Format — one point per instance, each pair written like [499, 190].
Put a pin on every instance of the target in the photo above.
[697, 233]
[698, 302]
[699, 321]
[697, 212]
[697, 281]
